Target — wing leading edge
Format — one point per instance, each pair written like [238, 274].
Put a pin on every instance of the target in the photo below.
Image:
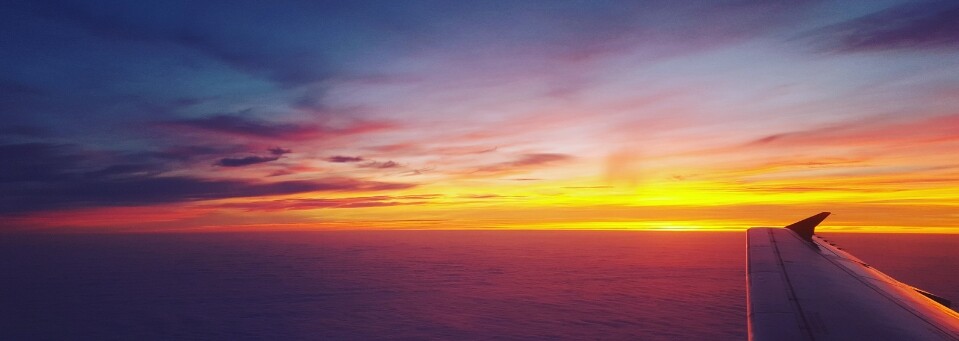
[802, 288]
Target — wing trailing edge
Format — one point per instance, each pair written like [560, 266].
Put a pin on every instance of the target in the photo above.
[807, 227]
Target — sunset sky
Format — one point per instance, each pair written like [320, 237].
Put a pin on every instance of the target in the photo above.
[133, 116]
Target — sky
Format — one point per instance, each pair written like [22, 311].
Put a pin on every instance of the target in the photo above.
[123, 116]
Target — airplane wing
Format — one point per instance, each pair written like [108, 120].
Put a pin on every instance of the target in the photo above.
[801, 287]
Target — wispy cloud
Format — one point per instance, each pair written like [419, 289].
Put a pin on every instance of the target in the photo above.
[245, 161]
[149, 190]
[380, 165]
[237, 125]
[331, 203]
[126, 170]
[872, 131]
[192, 152]
[275, 153]
[914, 25]
[62, 176]
[256, 128]
[344, 159]
[279, 151]
[522, 163]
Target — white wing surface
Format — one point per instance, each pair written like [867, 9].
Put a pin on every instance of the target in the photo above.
[800, 287]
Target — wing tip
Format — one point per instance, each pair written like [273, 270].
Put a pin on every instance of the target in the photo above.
[807, 227]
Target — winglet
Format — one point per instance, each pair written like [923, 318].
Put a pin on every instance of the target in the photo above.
[806, 227]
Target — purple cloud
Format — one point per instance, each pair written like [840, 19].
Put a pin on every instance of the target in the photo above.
[256, 128]
[189, 153]
[343, 159]
[279, 151]
[125, 170]
[276, 153]
[351, 202]
[237, 125]
[909, 26]
[54, 176]
[380, 165]
[147, 190]
[245, 161]
[523, 163]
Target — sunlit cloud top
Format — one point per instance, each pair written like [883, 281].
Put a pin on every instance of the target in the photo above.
[251, 115]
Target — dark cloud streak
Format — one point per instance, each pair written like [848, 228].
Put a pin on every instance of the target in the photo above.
[344, 159]
[237, 125]
[276, 153]
[189, 153]
[327, 203]
[279, 151]
[380, 165]
[148, 190]
[38, 177]
[523, 163]
[245, 161]
[255, 128]
[928, 25]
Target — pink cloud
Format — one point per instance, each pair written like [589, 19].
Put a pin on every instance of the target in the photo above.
[521, 164]
[871, 132]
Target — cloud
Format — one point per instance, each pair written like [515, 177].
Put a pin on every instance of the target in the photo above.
[26, 162]
[39, 163]
[52, 176]
[405, 147]
[871, 131]
[245, 161]
[538, 159]
[147, 190]
[523, 163]
[418, 171]
[927, 25]
[350, 202]
[462, 150]
[279, 151]
[380, 165]
[343, 159]
[276, 153]
[189, 153]
[250, 127]
[122, 170]
[237, 125]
